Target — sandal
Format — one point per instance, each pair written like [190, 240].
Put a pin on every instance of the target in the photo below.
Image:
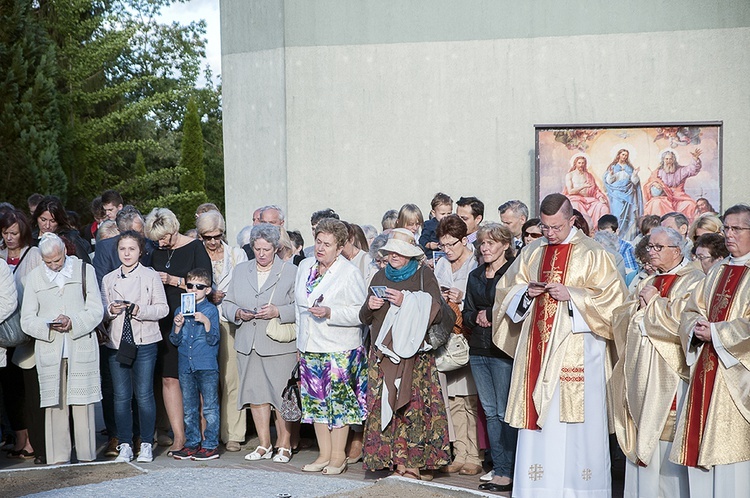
[408, 474]
[256, 455]
[283, 455]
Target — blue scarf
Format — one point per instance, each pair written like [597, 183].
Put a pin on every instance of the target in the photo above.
[403, 273]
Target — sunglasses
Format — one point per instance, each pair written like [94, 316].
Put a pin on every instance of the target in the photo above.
[533, 235]
[197, 286]
[212, 237]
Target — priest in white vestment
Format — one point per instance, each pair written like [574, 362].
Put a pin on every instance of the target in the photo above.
[650, 378]
[552, 314]
[713, 431]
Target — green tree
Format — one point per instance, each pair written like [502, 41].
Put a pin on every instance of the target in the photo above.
[192, 151]
[29, 118]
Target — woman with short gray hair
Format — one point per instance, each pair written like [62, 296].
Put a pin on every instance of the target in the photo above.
[262, 290]
[211, 230]
[176, 256]
[67, 351]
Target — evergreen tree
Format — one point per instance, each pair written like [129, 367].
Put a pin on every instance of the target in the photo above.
[192, 151]
[29, 118]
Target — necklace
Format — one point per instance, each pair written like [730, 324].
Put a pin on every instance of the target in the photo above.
[169, 258]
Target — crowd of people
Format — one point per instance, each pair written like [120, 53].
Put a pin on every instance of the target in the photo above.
[441, 343]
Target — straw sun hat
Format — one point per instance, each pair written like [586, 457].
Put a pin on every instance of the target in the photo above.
[402, 242]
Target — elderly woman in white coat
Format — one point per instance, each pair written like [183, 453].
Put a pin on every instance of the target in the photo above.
[329, 292]
[61, 317]
[211, 230]
[262, 290]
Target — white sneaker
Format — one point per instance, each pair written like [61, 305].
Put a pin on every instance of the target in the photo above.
[488, 476]
[126, 453]
[146, 454]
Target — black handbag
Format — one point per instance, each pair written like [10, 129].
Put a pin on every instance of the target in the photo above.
[291, 403]
[102, 334]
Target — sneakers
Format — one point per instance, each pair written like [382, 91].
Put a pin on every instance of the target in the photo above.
[146, 454]
[126, 453]
[488, 476]
[185, 453]
[206, 454]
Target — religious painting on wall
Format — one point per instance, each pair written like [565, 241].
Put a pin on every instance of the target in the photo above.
[631, 170]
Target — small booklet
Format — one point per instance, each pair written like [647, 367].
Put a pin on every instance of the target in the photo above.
[188, 304]
[436, 255]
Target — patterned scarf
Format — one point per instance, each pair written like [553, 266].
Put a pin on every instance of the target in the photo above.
[313, 279]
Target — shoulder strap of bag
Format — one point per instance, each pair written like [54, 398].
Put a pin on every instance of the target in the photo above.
[21, 260]
[83, 279]
[276, 283]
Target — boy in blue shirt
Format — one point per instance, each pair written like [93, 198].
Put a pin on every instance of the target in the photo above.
[197, 341]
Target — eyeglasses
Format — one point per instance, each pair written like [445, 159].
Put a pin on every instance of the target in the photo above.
[212, 237]
[736, 230]
[197, 286]
[546, 228]
[656, 247]
[533, 235]
[701, 257]
[443, 247]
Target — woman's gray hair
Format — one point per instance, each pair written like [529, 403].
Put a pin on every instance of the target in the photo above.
[370, 232]
[243, 238]
[266, 231]
[674, 237]
[377, 244]
[210, 221]
[50, 243]
[161, 222]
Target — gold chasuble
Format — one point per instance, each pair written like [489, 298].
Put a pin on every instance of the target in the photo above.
[651, 363]
[714, 425]
[544, 348]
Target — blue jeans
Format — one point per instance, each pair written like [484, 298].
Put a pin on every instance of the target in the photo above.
[194, 385]
[492, 378]
[137, 379]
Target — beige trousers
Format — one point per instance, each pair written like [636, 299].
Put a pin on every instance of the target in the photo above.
[233, 421]
[57, 426]
[464, 417]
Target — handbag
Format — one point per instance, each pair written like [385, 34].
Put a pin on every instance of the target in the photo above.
[102, 334]
[11, 335]
[439, 333]
[454, 354]
[277, 331]
[291, 403]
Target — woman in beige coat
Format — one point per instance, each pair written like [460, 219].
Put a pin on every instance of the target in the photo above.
[56, 314]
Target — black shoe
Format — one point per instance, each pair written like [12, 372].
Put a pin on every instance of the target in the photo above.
[497, 488]
[40, 460]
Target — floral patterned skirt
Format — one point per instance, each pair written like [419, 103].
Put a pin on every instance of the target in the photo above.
[417, 436]
[333, 387]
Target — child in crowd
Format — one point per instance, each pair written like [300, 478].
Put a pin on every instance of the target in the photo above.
[410, 217]
[197, 340]
[442, 206]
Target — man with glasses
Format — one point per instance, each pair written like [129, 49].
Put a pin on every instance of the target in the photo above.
[561, 293]
[650, 379]
[713, 431]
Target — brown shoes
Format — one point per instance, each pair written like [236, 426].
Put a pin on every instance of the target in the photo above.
[112, 450]
[452, 468]
[470, 469]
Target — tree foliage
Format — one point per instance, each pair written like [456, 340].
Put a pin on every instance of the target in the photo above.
[192, 151]
[29, 118]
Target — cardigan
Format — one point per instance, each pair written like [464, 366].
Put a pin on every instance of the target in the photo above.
[43, 301]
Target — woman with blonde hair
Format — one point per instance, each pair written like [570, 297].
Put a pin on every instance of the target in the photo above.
[176, 256]
[705, 223]
[212, 231]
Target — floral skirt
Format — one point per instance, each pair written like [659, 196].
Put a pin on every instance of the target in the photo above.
[333, 387]
[417, 436]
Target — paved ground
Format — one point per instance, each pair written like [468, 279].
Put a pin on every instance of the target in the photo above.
[230, 475]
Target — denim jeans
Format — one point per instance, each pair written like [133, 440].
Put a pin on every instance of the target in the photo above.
[137, 379]
[194, 385]
[492, 378]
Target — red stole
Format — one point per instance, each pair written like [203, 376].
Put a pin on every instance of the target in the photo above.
[552, 270]
[702, 385]
[663, 283]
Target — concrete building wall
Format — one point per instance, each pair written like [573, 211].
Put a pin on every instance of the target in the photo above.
[389, 102]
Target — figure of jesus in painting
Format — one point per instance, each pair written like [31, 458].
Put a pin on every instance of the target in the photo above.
[665, 188]
[582, 190]
[624, 191]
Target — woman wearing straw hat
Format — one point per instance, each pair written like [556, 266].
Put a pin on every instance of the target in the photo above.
[407, 427]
